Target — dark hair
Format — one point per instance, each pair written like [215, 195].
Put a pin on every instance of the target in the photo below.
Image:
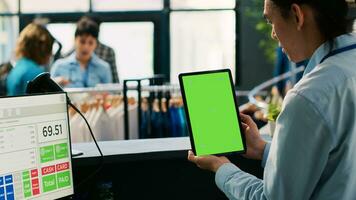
[87, 26]
[35, 43]
[330, 15]
[96, 18]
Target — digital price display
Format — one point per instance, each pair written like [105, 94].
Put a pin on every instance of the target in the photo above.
[35, 147]
[49, 131]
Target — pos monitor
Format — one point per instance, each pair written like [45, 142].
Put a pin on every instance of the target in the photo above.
[212, 112]
[35, 159]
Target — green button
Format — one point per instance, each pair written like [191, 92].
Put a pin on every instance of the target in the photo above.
[47, 154]
[61, 150]
[27, 188]
[49, 183]
[25, 175]
[63, 179]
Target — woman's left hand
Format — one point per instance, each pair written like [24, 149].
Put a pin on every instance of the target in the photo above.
[211, 163]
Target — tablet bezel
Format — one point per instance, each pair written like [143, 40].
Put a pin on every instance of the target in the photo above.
[191, 137]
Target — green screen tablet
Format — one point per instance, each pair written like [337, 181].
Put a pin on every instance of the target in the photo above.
[212, 113]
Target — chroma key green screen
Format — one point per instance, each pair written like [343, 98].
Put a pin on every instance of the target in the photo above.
[212, 112]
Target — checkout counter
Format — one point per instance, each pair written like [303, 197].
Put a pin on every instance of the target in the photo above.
[146, 169]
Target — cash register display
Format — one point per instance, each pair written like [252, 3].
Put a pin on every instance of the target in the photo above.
[35, 161]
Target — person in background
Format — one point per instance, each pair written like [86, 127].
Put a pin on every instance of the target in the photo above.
[33, 50]
[283, 65]
[312, 154]
[106, 53]
[83, 68]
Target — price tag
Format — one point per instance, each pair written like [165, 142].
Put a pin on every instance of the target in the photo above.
[50, 131]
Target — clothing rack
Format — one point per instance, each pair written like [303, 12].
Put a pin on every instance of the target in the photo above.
[144, 88]
[120, 88]
[157, 79]
[124, 88]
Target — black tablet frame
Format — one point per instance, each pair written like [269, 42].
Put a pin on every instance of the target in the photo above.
[192, 142]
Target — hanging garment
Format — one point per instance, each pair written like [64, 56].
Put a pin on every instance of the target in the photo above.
[175, 127]
[156, 120]
[166, 121]
[133, 121]
[76, 132]
[116, 116]
[89, 116]
[182, 122]
[145, 127]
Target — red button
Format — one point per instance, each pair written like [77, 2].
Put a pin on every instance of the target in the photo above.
[62, 166]
[48, 170]
[35, 183]
[35, 191]
[34, 173]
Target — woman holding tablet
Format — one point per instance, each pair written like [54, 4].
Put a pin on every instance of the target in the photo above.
[312, 155]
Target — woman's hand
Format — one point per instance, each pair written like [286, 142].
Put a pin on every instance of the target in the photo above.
[211, 163]
[255, 147]
[254, 142]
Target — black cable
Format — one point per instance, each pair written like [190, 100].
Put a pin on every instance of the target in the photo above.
[91, 132]
[92, 135]
[43, 83]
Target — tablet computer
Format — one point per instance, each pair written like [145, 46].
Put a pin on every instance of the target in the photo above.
[212, 112]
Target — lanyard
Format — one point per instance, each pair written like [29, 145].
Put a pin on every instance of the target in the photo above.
[337, 51]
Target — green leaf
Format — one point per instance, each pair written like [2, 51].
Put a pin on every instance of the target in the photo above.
[255, 13]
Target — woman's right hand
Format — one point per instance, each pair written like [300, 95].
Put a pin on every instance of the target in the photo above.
[254, 142]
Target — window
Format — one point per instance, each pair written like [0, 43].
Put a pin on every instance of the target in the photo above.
[116, 5]
[64, 33]
[9, 6]
[202, 4]
[8, 35]
[201, 33]
[47, 6]
[133, 45]
[132, 42]
[205, 41]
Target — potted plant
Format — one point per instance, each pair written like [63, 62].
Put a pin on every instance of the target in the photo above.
[273, 109]
[254, 12]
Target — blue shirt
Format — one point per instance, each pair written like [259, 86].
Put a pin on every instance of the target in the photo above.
[313, 151]
[24, 71]
[97, 71]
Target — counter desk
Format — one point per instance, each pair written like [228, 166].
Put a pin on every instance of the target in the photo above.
[146, 169]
